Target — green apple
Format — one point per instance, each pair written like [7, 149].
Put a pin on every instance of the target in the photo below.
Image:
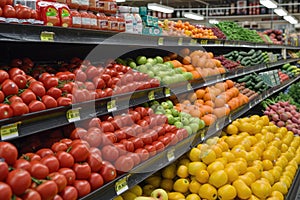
[153, 107]
[158, 78]
[168, 111]
[195, 120]
[141, 60]
[150, 74]
[132, 64]
[169, 64]
[178, 124]
[142, 68]
[165, 105]
[145, 105]
[175, 112]
[160, 109]
[154, 103]
[159, 112]
[201, 124]
[167, 80]
[121, 61]
[159, 194]
[194, 127]
[171, 119]
[187, 115]
[178, 70]
[170, 104]
[151, 61]
[177, 119]
[185, 121]
[188, 129]
[148, 65]
[187, 75]
[159, 59]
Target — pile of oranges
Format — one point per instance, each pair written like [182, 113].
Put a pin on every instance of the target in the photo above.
[193, 31]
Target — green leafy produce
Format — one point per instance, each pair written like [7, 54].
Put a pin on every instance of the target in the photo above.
[294, 92]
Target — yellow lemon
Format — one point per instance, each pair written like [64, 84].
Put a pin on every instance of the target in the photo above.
[209, 156]
[267, 165]
[229, 156]
[265, 120]
[195, 166]
[268, 175]
[227, 192]
[218, 178]
[154, 180]
[136, 190]
[246, 179]
[194, 154]
[182, 171]
[232, 129]
[202, 176]
[175, 195]
[184, 161]
[222, 160]
[255, 170]
[278, 195]
[261, 189]
[181, 185]
[251, 175]
[128, 195]
[232, 174]
[217, 149]
[193, 197]
[223, 145]
[169, 171]
[280, 187]
[243, 191]
[208, 192]
[167, 184]
[214, 166]
[194, 186]
[242, 166]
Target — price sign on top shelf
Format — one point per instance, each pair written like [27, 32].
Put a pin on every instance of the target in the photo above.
[73, 114]
[121, 185]
[9, 131]
[47, 36]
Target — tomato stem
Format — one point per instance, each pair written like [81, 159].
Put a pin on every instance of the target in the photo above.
[38, 182]
[69, 149]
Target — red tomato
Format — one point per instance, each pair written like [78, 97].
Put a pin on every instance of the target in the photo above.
[19, 108]
[28, 96]
[96, 151]
[0, 10]
[20, 80]
[67, 88]
[34, 14]
[95, 122]
[36, 106]
[59, 146]
[3, 171]
[82, 171]
[14, 99]
[38, 170]
[2, 97]
[124, 163]
[59, 179]
[80, 76]
[80, 152]
[79, 95]
[65, 159]
[110, 153]
[94, 138]
[44, 76]
[9, 2]
[8, 152]
[50, 82]
[19, 180]
[94, 161]
[31, 194]
[69, 193]
[38, 88]
[54, 92]
[5, 111]
[22, 164]
[67, 141]
[31, 157]
[2, 3]
[57, 197]
[96, 181]
[23, 13]
[5, 191]
[9, 87]
[83, 187]
[51, 162]
[49, 101]
[3, 74]
[108, 171]
[47, 190]
[44, 152]
[91, 72]
[64, 101]
[69, 174]
[78, 133]
[15, 71]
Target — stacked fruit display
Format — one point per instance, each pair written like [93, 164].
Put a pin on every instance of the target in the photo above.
[213, 102]
[275, 35]
[256, 160]
[253, 82]
[228, 64]
[12, 14]
[290, 69]
[217, 32]
[250, 58]
[251, 94]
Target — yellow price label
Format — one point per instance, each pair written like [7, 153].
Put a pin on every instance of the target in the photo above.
[47, 36]
[189, 86]
[180, 41]
[217, 42]
[203, 41]
[111, 106]
[167, 92]
[151, 95]
[217, 126]
[9, 131]
[161, 41]
[121, 185]
[73, 114]
[193, 41]
[202, 135]
[170, 154]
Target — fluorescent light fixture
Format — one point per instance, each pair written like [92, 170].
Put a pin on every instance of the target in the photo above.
[290, 19]
[120, 1]
[281, 12]
[193, 16]
[213, 21]
[268, 3]
[160, 8]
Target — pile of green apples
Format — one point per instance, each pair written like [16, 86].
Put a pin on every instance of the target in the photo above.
[158, 69]
[176, 118]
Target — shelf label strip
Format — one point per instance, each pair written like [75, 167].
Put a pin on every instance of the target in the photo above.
[160, 41]
[170, 154]
[180, 41]
[73, 114]
[47, 36]
[167, 92]
[151, 95]
[121, 185]
[111, 106]
[9, 131]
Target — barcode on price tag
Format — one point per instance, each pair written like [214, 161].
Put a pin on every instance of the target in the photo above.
[47, 36]
[9, 131]
[73, 114]
[111, 106]
[151, 95]
[121, 185]
[170, 154]
[167, 92]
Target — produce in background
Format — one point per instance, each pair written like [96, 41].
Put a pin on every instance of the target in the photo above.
[255, 160]
[294, 92]
[283, 114]
[228, 64]
[233, 31]
[246, 91]
[217, 32]
[283, 76]
[266, 38]
[276, 36]
[213, 102]
[291, 70]
[250, 58]
[253, 82]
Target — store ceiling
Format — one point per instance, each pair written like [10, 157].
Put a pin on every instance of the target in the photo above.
[178, 3]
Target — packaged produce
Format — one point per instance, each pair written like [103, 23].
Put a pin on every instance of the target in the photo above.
[48, 13]
[76, 18]
[102, 21]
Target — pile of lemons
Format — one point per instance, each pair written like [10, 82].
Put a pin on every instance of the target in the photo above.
[252, 159]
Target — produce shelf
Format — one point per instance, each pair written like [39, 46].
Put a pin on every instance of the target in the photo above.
[172, 153]
[37, 33]
[294, 191]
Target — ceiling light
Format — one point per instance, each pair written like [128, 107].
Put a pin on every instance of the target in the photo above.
[120, 1]
[193, 16]
[160, 8]
[213, 21]
[291, 19]
[268, 3]
[281, 11]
